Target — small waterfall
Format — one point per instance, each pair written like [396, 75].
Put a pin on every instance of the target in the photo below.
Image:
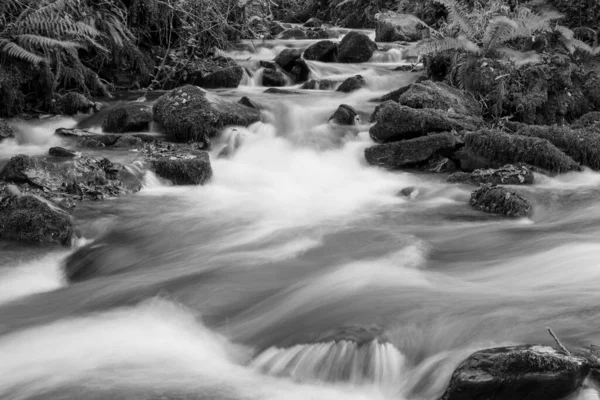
[375, 363]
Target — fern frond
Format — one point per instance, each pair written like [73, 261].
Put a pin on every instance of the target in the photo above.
[458, 13]
[43, 42]
[13, 50]
[498, 31]
[432, 46]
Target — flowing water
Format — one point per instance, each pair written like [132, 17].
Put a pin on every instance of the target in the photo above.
[298, 272]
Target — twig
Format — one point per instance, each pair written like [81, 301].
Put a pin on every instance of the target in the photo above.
[560, 345]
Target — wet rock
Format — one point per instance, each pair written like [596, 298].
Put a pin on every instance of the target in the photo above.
[267, 64]
[394, 27]
[393, 95]
[409, 153]
[497, 200]
[83, 135]
[507, 175]
[320, 84]
[440, 164]
[291, 62]
[185, 171]
[517, 373]
[313, 23]
[282, 91]
[210, 73]
[73, 103]
[504, 148]
[6, 132]
[190, 113]
[317, 33]
[248, 103]
[356, 47]
[133, 117]
[273, 78]
[345, 115]
[275, 28]
[582, 145]
[351, 84]
[396, 122]
[411, 192]
[90, 143]
[293, 33]
[324, 51]
[440, 96]
[30, 218]
[73, 133]
[62, 152]
[129, 142]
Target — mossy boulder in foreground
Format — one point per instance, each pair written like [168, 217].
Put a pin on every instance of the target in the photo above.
[523, 372]
[190, 113]
[499, 147]
[497, 200]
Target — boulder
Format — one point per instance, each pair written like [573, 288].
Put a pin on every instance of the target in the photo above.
[523, 372]
[507, 175]
[393, 95]
[345, 115]
[320, 84]
[73, 103]
[6, 131]
[293, 33]
[502, 148]
[396, 122]
[395, 27]
[273, 78]
[324, 51]
[184, 171]
[90, 143]
[275, 28]
[248, 103]
[317, 33]
[291, 62]
[439, 95]
[313, 23]
[29, 218]
[267, 64]
[582, 145]
[83, 135]
[408, 153]
[214, 72]
[129, 142]
[351, 84]
[497, 200]
[133, 117]
[356, 47]
[62, 152]
[191, 113]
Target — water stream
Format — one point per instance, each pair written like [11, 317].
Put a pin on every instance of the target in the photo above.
[298, 272]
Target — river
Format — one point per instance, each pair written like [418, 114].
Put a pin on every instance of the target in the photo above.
[298, 271]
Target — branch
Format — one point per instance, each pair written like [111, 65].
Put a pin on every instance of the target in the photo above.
[560, 345]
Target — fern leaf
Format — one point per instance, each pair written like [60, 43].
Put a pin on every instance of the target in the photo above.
[498, 31]
[432, 46]
[13, 50]
[458, 13]
[36, 41]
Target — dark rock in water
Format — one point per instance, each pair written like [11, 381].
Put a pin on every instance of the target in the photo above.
[320, 84]
[497, 200]
[30, 218]
[83, 136]
[214, 72]
[73, 103]
[6, 131]
[185, 171]
[282, 91]
[248, 103]
[517, 373]
[317, 33]
[313, 23]
[90, 143]
[440, 96]
[273, 78]
[129, 142]
[291, 62]
[356, 47]
[223, 78]
[133, 117]
[393, 27]
[411, 192]
[586, 120]
[409, 68]
[190, 113]
[62, 152]
[73, 133]
[503, 148]
[507, 175]
[409, 152]
[293, 33]
[582, 145]
[351, 84]
[275, 28]
[345, 115]
[396, 122]
[324, 51]
[267, 64]
[440, 164]
[393, 95]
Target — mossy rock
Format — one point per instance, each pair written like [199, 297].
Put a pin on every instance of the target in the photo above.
[438, 95]
[324, 51]
[356, 47]
[132, 117]
[345, 115]
[190, 113]
[184, 171]
[6, 131]
[74, 103]
[273, 78]
[351, 84]
[507, 175]
[500, 147]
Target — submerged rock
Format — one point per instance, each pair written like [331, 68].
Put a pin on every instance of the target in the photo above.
[345, 115]
[408, 153]
[62, 152]
[30, 218]
[184, 171]
[133, 117]
[517, 373]
[395, 122]
[356, 47]
[324, 51]
[290, 60]
[191, 113]
[497, 200]
[351, 84]
[6, 132]
[502, 148]
[507, 175]
[273, 78]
